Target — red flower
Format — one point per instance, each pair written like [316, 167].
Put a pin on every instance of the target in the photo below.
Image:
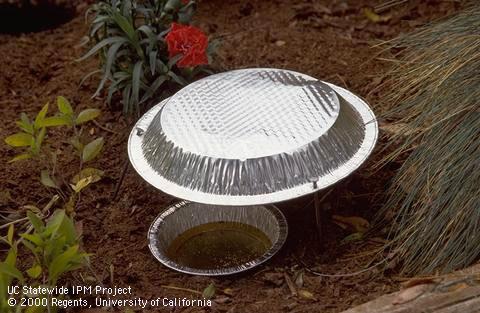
[185, 1]
[189, 41]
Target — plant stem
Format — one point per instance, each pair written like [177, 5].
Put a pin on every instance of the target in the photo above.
[13, 222]
[182, 289]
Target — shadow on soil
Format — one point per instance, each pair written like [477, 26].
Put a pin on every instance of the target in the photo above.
[29, 18]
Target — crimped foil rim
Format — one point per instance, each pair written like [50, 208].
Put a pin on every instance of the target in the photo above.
[155, 228]
[142, 166]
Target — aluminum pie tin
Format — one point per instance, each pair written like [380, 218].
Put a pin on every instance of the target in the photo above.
[185, 215]
[252, 136]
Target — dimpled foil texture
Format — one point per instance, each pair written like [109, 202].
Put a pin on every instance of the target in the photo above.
[252, 136]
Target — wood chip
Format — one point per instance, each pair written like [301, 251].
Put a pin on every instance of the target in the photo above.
[307, 295]
[419, 281]
[291, 285]
[411, 293]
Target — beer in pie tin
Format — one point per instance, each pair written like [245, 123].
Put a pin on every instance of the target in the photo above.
[263, 224]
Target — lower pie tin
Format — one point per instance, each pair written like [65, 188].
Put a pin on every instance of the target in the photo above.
[185, 215]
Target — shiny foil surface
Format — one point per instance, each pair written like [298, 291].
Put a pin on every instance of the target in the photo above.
[185, 215]
[252, 136]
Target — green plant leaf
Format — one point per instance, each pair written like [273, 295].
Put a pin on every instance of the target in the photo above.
[126, 92]
[34, 271]
[59, 120]
[114, 87]
[29, 246]
[24, 118]
[67, 230]
[88, 76]
[35, 221]
[111, 56]
[19, 140]
[64, 106]
[11, 258]
[154, 87]
[92, 149]
[10, 234]
[40, 116]
[60, 264]
[46, 180]
[86, 172]
[152, 39]
[174, 60]
[40, 137]
[126, 26]
[186, 13]
[35, 239]
[162, 67]
[153, 59]
[11, 271]
[209, 292]
[101, 44]
[77, 144]
[25, 124]
[172, 6]
[34, 309]
[136, 78]
[54, 222]
[69, 206]
[19, 157]
[87, 115]
[178, 79]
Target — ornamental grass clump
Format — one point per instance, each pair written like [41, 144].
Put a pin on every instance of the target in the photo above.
[434, 93]
[146, 48]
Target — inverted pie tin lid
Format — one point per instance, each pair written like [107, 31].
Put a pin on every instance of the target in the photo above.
[252, 136]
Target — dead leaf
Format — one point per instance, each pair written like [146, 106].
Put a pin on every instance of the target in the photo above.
[352, 237]
[298, 278]
[341, 225]
[209, 292]
[222, 299]
[32, 208]
[360, 225]
[411, 293]
[79, 228]
[458, 287]
[305, 294]
[418, 281]
[233, 309]
[274, 278]
[86, 172]
[374, 17]
[378, 240]
[291, 285]
[396, 129]
[84, 182]
[280, 43]
[306, 11]
[228, 291]
[5, 197]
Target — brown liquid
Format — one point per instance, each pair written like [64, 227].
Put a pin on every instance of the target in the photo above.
[218, 245]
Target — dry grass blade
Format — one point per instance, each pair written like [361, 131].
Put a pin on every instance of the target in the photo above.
[435, 89]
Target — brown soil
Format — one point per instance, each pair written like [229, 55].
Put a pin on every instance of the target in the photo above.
[330, 40]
